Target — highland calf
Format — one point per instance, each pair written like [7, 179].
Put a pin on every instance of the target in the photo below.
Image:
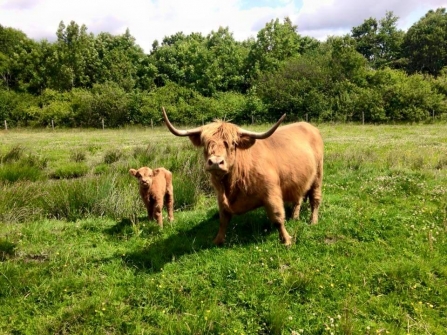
[250, 170]
[155, 190]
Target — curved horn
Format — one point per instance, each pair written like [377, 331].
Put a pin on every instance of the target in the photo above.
[261, 136]
[178, 132]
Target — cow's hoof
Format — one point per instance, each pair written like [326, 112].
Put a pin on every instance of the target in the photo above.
[287, 241]
[219, 241]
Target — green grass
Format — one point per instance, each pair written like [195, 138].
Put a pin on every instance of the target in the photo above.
[78, 256]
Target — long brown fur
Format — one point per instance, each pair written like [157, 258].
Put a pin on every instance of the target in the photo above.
[248, 173]
[156, 190]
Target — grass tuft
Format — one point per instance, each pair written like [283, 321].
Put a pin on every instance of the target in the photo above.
[70, 170]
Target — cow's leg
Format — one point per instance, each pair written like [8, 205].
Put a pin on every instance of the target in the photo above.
[158, 215]
[315, 198]
[296, 209]
[276, 213]
[224, 219]
[169, 200]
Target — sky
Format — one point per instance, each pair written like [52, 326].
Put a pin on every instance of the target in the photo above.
[149, 20]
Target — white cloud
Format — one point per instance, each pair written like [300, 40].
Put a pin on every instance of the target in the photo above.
[149, 20]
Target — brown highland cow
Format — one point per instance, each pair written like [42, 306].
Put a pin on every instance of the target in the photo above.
[250, 170]
[155, 190]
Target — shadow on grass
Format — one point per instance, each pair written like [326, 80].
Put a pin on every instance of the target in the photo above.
[192, 236]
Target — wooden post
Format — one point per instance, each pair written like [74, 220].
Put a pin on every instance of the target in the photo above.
[363, 118]
[102, 121]
[52, 124]
[6, 125]
[152, 124]
[307, 117]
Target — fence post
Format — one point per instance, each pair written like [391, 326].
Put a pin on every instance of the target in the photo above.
[152, 124]
[6, 125]
[52, 124]
[307, 117]
[102, 121]
[363, 118]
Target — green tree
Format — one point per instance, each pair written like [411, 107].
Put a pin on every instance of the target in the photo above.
[300, 87]
[425, 43]
[275, 43]
[379, 41]
[121, 60]
[345, 62]
[74, 59]
[14, 48]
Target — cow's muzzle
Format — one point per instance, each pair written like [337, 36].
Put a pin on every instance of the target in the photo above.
[216, 164]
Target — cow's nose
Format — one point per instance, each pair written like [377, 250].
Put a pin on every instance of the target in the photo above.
[215, 161]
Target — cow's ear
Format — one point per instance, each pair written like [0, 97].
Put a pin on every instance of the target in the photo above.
[195, 140]
[133, 172]
[245, 142]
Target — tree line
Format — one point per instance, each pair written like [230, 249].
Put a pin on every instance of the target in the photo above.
[376, 73]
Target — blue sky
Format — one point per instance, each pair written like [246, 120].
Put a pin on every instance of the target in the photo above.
[149, 20]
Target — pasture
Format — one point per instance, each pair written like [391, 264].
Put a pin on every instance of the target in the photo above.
[77, 255]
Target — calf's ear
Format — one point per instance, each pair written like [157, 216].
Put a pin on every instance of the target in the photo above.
[133, 172]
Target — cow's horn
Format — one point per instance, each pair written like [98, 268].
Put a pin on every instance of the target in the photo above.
[261, 136]
[178, 132]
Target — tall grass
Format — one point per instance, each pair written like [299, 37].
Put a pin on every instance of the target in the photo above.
[95, 187]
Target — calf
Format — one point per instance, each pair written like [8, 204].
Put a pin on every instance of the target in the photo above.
[155, 189]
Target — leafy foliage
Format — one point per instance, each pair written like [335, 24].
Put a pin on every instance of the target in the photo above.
[83, 80]
[425, 43]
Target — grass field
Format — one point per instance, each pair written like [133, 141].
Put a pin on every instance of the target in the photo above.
[77, 255]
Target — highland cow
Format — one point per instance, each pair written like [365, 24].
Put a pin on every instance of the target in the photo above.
[250, 170]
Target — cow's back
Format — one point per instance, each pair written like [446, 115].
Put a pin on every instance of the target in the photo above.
[296, 157]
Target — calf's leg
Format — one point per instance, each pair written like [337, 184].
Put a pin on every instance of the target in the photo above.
[158, 215]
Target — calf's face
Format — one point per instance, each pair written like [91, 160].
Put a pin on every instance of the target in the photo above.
[144, 176]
